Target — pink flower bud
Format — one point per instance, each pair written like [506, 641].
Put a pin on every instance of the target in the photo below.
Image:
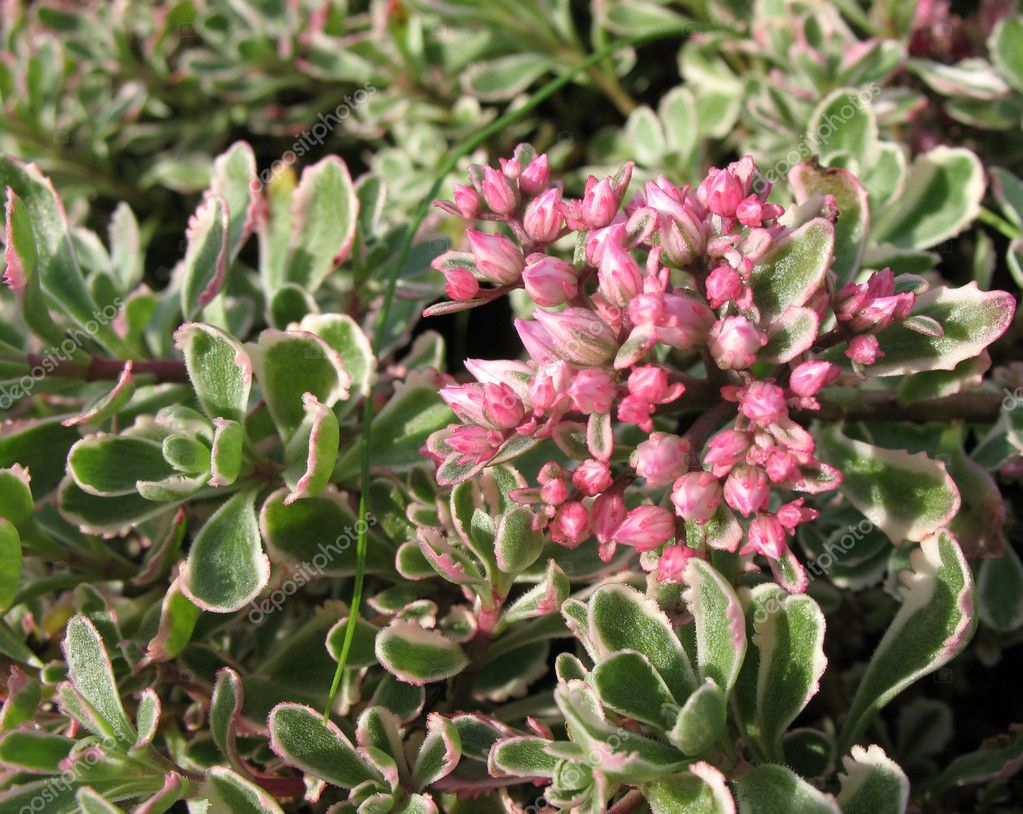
[571, 524]
[683, 238]
[599, 204]
[636, 410]
[794, 514]
[579, 336]
[723, 285]
[661, 458]
[767, 536]
[781, 466]
[646, 528]
[592, 391]
[650, 382]
[864, 349]
[549, 281]
[502, 407]
[475, 444]
[734, 343]
[619, 275]
[763, 403]
[720, 192]
[467, 201]
[498, 259]
[606, 514]
[466, 400]
[725, 450]
[538, 343]
[554, 492]
[498, 192]
[592, 477]
[696, 496]
[460, 285]
[542, 220]
[686, 322]
[536, 175]
[549, 387]
[673, 562]
[808, 378]
[747, 489]
[600, 239]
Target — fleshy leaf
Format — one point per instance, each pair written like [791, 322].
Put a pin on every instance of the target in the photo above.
[234, 180]
[225, 706]
[439, 753]
[219, 367]
[229, 793]
[793, 269]
[719, 623]
[226, 568]
[935, 622]
[872, 783]
[1000, 591]
[516, 544]
[205, 265]
[112, 465]
[907, 496]
[853, 224]
[311, 452]
[701, 721]
[302, 738]
[627, 683]
[10, 562]
[770, 789]
[522, 756]
[418, 656]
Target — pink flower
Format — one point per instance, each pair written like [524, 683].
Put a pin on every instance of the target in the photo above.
[536, 175]
[793, 514]
[720, 192]
[579, 336]
[467, 201]
[592, 391]
[807, 379]
[766, 536]
[781, 466]
[661, 458]
[606, 514]
[599, 239]
[636, 410]
[646, 528]
[872, 306]
[864, 349]
[497, 258]
[543, 219]
[685, 323]
[734, 343]
[763, 403]
[571, 524]
[548, 391]
[751, 211]
[592, 477]
[474, 444]
[723, 285]
[747, 489]
[650, 382]
[460, 285]
[498, 192]
[696, 496]
[549, 281]
[599, 204]
[725, 450]
[673, 562]
[502, 407]
[619, 275]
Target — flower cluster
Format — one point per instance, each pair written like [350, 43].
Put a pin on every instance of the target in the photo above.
[672, 280]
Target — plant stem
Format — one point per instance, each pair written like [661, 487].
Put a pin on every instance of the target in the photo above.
[101, 368]
[380, 324]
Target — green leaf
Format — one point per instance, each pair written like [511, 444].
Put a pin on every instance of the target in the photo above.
[935, 622]
[793, 269]
[997, 758]
[225, 707]
[790, 335]
[627, 683]
[872, 783]
[439, 753]
[970, 318]
[91, 675]
[226, 568]
[204, 268]
[92, 802]
[942, 197]
[1006, 47]
[112, 465]
[645, 137]
[228, 793]
[178, 617]
[126, 253]
[522, 756]
[621, 618]
[34, 751]
[842, 123]
[701, 721]
[16, 504]
[362, 652]
[907, 496]
[219, 367]
[701, 790]
[227, 452]
[853, 224]
[300, 736]
[10, 563]
[234, 181]
[324, 215]
[290, 364]
[112, 516]
[682, 124]
[23, 695]
[1000, 591]
[311, 452]
[719, 622]
[147, 717]
[788, 631]
[345, 336]
[516, 544]
[109, 403]
[500, 79]
[418, 656]
[772, 789]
